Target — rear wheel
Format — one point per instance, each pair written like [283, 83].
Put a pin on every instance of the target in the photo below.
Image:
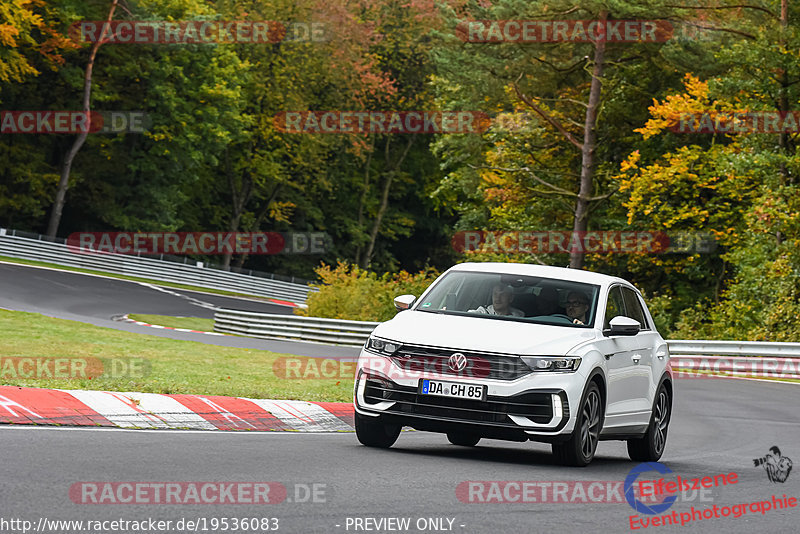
[579, 449]
[465, 440]
[650, 447]
[372, 433]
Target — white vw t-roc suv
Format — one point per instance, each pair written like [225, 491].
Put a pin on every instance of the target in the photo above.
[519, 352]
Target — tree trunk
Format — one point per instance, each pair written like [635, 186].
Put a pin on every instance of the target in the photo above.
[373, 236]
[393, 169]
[257, 225]
[364, 190]
[63, 183]
[588, 162]
[239, 201]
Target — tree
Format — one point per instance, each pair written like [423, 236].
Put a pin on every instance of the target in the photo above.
[63, 184]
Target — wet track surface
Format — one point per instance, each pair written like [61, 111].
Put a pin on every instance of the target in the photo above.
[95, 300]
[719, 426]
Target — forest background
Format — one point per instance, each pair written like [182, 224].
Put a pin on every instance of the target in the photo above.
[581, 139]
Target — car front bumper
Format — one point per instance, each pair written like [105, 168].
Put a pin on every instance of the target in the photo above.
[535, 406]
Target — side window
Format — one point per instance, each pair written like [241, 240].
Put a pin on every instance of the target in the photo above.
[614, 306]
[633, 307]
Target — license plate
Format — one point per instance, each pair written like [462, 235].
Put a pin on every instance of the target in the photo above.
[453, 389]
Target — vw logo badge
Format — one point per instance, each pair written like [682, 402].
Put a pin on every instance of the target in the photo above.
[457, 362]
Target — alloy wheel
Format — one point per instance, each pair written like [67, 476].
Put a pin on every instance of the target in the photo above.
[661, 422]
[590, 425]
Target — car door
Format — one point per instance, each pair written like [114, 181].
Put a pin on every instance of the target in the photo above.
[642, 353]
[623, 400]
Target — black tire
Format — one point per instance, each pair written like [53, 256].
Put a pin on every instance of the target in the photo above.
[372, 433]
[650, 447]
[465, 440]
[579, 449]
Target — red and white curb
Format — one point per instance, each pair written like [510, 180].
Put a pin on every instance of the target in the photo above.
[126, 319]
[21, 405]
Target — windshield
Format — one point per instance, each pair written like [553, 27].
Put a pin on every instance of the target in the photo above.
[513, 297]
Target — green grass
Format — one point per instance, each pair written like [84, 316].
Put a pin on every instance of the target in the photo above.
[131, 278]
[192, 323]
[172, 366]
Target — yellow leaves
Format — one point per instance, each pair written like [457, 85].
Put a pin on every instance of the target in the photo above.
[492, 178]
[24, 30]
[281, 211]
[695, 87]
[667, 114]
[631, 162]
[681, 190]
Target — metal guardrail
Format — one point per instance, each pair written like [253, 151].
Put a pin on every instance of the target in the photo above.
[730, 357]
[273, 326]
[56, 252]
[733, 348]
[764, 359]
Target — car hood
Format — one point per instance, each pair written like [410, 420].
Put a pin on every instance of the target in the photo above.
[482, 334]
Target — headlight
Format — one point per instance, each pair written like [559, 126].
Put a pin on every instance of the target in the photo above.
[382, 346]
[552, 363]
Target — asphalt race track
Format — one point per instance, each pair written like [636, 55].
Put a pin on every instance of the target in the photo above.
[95, 300]
[718, 427]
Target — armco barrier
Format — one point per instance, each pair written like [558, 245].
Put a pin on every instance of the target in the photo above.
[733, 348]
[56, 252]
[736, 358]
[272, 326]
[724, 356]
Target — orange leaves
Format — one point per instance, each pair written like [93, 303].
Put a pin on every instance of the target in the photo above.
[22, 21]
[8, 34]
[667, 114]
[631, 162]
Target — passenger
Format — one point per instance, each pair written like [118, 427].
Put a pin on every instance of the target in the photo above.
[502, 295]
[577, 306]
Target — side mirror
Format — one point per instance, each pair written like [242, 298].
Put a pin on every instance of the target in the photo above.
[404, 302]
[623, 326]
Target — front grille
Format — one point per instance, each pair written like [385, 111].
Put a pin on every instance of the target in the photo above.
[418, 359]
[494, 410]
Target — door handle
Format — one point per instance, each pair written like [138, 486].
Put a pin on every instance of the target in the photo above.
[636, 358]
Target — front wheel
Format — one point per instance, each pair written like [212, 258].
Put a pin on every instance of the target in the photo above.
[650, 447]
[579, 449]
[372, 433]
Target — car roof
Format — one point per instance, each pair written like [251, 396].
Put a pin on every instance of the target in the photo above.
[545, 271]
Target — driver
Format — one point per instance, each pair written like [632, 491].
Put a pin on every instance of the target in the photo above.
[577, 306]
[502, 295]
